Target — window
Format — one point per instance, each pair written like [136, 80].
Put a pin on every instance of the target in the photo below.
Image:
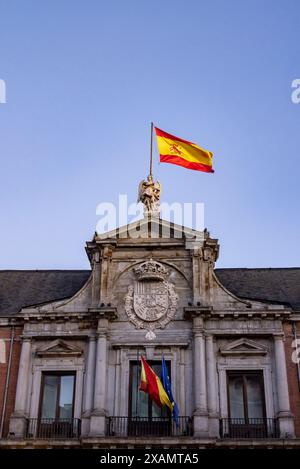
[139, 403]
[57, 397]
[246, 395]
[145, 417]
[56, 408]
[246, 406]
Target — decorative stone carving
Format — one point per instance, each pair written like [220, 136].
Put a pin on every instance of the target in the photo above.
[151, 302]
[149, 194]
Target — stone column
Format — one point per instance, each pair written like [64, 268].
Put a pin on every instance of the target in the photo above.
[212, 390]
[199, 368]
[98, 415]
[286, 421]
[88, 393]
[17, 425]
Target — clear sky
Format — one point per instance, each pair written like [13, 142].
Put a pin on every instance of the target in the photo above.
[84, 80]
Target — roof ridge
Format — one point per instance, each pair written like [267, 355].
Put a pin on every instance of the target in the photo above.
[89, 270]
[257, 268]
[45, 270]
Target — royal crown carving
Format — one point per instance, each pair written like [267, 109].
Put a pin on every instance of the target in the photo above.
[151, 302]
[151, 270]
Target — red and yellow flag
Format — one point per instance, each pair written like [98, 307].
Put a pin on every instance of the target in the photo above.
[183, 153]
[151, 384]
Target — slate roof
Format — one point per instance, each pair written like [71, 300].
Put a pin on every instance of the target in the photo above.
[278, 285]
[19, 288]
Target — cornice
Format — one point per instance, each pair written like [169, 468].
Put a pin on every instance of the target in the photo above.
[208, 312]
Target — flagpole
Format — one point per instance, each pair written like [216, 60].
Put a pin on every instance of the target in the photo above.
[151, 148]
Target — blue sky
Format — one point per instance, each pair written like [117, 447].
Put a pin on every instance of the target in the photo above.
[85, 79]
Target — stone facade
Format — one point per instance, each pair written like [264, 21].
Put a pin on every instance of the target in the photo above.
[155, 295]
[292, 333]
[10, 348]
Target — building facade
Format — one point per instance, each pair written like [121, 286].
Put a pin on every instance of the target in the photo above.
[73, 342]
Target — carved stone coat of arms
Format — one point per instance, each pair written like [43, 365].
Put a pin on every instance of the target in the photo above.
[151, 302]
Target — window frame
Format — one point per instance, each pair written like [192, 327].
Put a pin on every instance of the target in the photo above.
[58, 374]
[243, 374]
[150, 402]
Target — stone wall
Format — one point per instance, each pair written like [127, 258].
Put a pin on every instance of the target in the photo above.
[292, 371]
[5, 341]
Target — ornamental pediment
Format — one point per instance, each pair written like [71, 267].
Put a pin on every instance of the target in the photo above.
[59, 348]
[243, 347]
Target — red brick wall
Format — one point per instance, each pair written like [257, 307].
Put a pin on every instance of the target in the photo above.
[294, 387]
[5, 333]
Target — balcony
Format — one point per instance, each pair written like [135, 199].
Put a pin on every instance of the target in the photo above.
[149, 427]
[53, 428]
[237, 429]
[144, 427]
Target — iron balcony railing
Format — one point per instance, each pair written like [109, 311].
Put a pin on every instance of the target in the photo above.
[149, 427]
[249, 428]
[53, 428]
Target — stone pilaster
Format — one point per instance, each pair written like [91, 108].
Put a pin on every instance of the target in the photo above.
[96, 280]
[212, 390]
[286, 421]
[106, 257]
[118, 383]
[88, 399]
[182, 384]
[17, 425]
[196, 259]
[200, 391]
[99, 412]
[203, 261]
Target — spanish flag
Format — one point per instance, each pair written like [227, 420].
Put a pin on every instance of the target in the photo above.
[151, 384]
[183, 153]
